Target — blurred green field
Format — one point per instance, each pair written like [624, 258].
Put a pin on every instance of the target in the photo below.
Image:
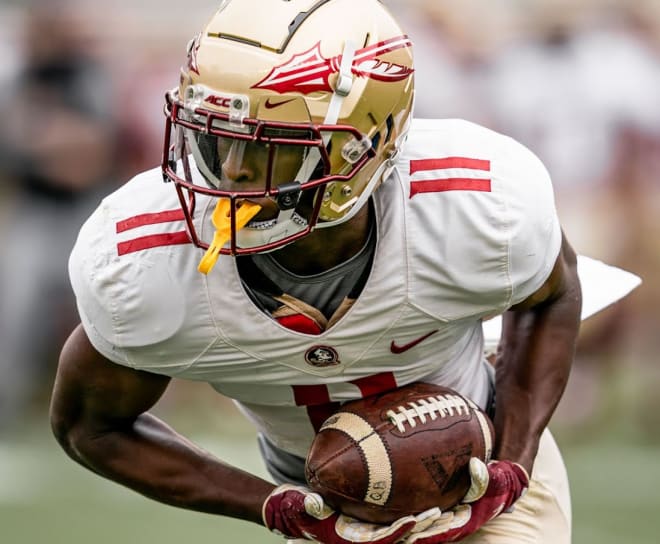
[47, 499]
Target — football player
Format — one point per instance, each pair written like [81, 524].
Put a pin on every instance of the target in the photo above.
[313, 244]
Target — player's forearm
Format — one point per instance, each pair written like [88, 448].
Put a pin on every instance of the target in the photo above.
[533, 366]
[152, 459]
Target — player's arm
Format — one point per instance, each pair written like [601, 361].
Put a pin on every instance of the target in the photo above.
[533, 363]
[99, 414]
[534, 359]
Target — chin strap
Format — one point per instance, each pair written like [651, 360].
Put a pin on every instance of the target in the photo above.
[381, 173]
[342, 90]
[383, 170]
[255, 236]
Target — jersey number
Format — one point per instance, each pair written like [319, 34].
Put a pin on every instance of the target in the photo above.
[317, 397]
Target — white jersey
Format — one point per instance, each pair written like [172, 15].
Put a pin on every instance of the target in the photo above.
[466, 227]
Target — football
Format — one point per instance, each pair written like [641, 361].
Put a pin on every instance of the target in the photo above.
[398, 453]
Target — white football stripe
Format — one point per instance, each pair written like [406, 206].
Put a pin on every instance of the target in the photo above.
[373, 450]
[485, 430]
[488, 438]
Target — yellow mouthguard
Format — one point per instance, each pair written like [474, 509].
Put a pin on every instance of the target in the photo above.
[222, 223]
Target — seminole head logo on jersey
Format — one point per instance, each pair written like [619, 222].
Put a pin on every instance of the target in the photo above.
[309, 71]
[322, 356]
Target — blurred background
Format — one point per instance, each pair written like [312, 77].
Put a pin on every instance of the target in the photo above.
[81, 94]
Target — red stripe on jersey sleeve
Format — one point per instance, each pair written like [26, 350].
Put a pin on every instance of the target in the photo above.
[450, 184]
[378, 383]
[448, 162]
[155, 240]
[150, 219]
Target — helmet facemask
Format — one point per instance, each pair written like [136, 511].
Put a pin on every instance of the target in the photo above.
[288, 114]
[290, 161]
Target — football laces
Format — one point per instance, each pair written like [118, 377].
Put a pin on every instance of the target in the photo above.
[415, 413]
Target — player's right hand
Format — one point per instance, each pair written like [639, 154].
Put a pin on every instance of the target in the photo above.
[297, 512]
[495, 489]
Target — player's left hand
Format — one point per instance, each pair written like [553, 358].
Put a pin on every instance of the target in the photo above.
[495, 489]
[296, 512]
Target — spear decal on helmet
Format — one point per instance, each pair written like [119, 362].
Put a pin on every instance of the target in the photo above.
[309, 71]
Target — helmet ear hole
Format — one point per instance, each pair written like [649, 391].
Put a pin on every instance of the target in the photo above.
[375, 141]
[389, 142]
[385, 134]
[389, 123]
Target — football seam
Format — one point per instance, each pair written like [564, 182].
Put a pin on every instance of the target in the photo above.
[374, 452]
[352, 444]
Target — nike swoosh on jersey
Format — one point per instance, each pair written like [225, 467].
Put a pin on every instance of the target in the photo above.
[394, 348]
[270, 105]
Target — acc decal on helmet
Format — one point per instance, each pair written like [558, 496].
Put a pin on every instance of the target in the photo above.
[295, 107]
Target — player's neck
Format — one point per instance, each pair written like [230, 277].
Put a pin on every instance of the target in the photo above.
[326, 248]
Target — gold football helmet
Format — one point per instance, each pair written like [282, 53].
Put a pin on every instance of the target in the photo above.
[295, 109]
